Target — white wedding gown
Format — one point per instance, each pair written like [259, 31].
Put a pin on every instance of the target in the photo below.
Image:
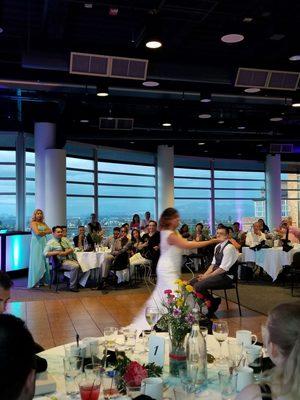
[168, 270]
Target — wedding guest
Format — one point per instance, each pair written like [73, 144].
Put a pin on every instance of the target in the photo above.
[65, 234]
[38, 264]
[82, 240]
[238, 233]
[152, 238]
[17, 360]
[199, 233]
[135, 223]
[146, 220]
[58, 246]
[292, 233]
[282, 340]
[95, 229]
[109, 242]
[5, 286]
[255, 237]
[138, 244]
[185, 232]
[262, 226]
[234, 242]
[126, 226]
[220, 273]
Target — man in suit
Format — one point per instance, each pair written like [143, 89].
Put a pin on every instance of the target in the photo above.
[220, 273]
[82, 240]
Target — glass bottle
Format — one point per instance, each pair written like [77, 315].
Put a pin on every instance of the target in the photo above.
[196, 353]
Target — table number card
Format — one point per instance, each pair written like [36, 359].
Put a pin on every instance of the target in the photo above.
[156, 350]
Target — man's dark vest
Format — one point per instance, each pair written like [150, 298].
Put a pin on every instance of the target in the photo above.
[219, 257]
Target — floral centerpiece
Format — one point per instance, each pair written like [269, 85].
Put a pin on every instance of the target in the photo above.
[178, 320]
[132, 373]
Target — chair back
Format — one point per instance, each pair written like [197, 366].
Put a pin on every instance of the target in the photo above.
[55, 263]
[296, 260]
[233, 270]
[121, 262]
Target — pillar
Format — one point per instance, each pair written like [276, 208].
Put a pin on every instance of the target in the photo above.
[20, 181]
[165, 178]
[44, 138]
[55, 187]
[273, 190]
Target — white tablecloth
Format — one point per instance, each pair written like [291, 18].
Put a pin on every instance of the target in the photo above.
[55, 357]
[271, 260]
[90, 259]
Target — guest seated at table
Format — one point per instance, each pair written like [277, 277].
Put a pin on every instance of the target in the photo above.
[255, 237]
[65, 234]
[135, 223]
[151, 251]
[185, 232]
[282, 340]
[110, 240]
[238, 234]
[108, 257]
[128, 234]
[262, 226]
[146, 220]
[200, 234]
[220, 273]
[58, 246]
[95, 229]
[17, 360]
[138, 244]
[293, 232]
[83, 241]
[234, 242]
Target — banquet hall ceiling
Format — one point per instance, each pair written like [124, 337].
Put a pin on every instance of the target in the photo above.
[38, 36]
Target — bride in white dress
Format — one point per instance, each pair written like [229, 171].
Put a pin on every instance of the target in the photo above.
[169, 263]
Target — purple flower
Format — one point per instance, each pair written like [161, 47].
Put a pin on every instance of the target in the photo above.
[190, 319]
[176, 312]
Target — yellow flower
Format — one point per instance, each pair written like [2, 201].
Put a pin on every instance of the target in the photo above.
[178, 282]
[189, 288]
[179, 302]
[184, 282]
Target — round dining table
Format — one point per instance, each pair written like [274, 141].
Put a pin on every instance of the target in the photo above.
[55, 355]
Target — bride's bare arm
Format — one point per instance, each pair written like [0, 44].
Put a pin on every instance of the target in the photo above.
[178, 241]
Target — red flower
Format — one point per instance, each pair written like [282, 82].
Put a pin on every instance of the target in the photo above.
[168, 291]
[135, 373]
[208, 303]
[199, 296]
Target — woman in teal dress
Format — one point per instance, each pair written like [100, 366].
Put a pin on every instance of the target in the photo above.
[38, 263]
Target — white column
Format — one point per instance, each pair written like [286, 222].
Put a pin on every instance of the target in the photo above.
[20, 181]
[165, 178]
[55, 187]
[44, 138]
[273, 190]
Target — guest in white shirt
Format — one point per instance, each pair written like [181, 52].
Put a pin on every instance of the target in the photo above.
[255, 237]
[221, 272]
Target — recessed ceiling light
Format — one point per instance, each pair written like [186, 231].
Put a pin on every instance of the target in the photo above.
[150, 83]
[205, 151]
[239, 154]
[252, 90]
[132, 142]
[232, 38]
[259, 145]
[84, 121]
[276, 119]
[201, 144]
[1, 30]
[241, 127]
[153, 44]
[204, 116]
[167, 124]
[248, 19]
[102, 93]
[296, 104]
[221, 122]
[205, 98]
[296, 57]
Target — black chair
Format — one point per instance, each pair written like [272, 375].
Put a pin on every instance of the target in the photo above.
[295, 270]
[56, 271]
[120, 263]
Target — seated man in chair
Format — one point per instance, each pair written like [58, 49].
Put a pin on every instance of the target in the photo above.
[219, 274]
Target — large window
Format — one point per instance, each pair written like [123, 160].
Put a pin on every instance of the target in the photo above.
[30, 187]
[7, 189]
[192, 189]
[124, 190]
[290, 196]
[239, 196]
[80, 192]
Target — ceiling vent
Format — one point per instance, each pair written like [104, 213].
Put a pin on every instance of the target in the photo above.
[267, 79]
[109, 123]
[277, 148]
[108, 66]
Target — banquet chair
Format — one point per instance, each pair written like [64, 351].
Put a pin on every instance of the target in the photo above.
[56, 271]
[120, 263]
[295, 270]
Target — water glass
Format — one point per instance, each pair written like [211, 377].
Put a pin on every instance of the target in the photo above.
[152, 315]
[110, 336]
[254, 356]
[228, 382]
[73, 367]
[130, 339]
[133, 391]
[182, 394]
[110, 384]
[220, 331]
[235, 352]
[98, 353]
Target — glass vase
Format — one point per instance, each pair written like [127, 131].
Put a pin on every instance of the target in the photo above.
[177, 353]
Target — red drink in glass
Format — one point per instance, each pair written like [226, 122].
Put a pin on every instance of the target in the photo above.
[89, 392]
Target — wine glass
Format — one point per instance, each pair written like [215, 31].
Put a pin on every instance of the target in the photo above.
[152, 315]
[220, 331]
